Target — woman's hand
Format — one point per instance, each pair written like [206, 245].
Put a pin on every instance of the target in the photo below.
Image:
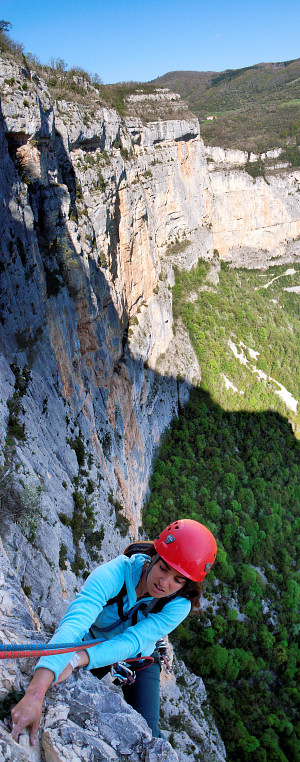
[27, 713]
[83, 661]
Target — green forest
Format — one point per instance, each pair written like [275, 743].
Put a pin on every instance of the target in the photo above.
[232, 461]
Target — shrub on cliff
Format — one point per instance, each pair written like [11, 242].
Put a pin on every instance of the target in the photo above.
[292, 155]
[6, 44]
[255, 168]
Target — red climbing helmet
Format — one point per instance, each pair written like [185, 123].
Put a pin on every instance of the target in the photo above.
[189, 547]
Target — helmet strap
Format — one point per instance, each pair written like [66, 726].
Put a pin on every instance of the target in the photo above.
[154, 561]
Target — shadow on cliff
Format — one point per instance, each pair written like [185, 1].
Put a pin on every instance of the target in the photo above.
[64, 273]
[39, 263]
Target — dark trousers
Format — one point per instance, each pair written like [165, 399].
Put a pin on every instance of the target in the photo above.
[144, 694]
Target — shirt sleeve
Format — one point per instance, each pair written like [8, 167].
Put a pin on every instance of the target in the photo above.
[104, 583]
[141, 637]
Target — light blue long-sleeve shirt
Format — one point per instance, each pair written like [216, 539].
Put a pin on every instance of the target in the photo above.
[89, 608]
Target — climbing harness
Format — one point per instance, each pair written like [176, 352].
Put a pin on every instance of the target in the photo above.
[144, 604]
[154, 606]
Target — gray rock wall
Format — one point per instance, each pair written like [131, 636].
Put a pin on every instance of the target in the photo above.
[76, 263]
[95, 212]
[84, 719]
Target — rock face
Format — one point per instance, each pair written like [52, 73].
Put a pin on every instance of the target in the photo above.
[87, 719]
[254, 221]
[96, 211]
[84, 719]
[79, 262]
[87, 211]
[193, 733]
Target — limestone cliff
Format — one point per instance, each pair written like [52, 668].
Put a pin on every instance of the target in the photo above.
[254, 220]
[82, 234]
[83, 226]
[83, 720]
[95, 213]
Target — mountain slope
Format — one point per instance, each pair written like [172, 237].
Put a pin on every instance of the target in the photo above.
[254, 108]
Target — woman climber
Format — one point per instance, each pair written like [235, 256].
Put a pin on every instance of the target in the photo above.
[130, 603]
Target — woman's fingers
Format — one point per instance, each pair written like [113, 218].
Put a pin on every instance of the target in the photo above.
[26, 714]
[34, 732]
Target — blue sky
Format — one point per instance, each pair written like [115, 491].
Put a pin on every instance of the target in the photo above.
[139, 41]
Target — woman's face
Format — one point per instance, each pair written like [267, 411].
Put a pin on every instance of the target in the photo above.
[163, 580]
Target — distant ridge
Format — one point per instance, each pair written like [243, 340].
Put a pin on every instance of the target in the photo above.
[254, 108]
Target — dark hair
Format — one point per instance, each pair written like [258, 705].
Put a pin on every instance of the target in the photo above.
[192, 591]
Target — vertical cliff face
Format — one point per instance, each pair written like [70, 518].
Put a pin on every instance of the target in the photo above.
[253, 219]
[89, 205]
[96, 212]
[87, 212]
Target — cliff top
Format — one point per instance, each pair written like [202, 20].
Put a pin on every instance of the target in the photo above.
[134, 99]
[254, 108]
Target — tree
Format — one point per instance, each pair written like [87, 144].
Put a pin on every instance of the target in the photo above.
[96, 80]
[217, 657]
[58, 64]
[290, 600]
[5, 26]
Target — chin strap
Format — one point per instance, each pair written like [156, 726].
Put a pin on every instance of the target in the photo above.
[154, 561]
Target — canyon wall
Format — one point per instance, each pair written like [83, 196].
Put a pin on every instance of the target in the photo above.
[254, 220]
[90, 204]
[96, 212]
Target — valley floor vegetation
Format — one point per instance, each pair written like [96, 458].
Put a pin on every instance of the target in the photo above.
[232, 461]
[246, 333]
